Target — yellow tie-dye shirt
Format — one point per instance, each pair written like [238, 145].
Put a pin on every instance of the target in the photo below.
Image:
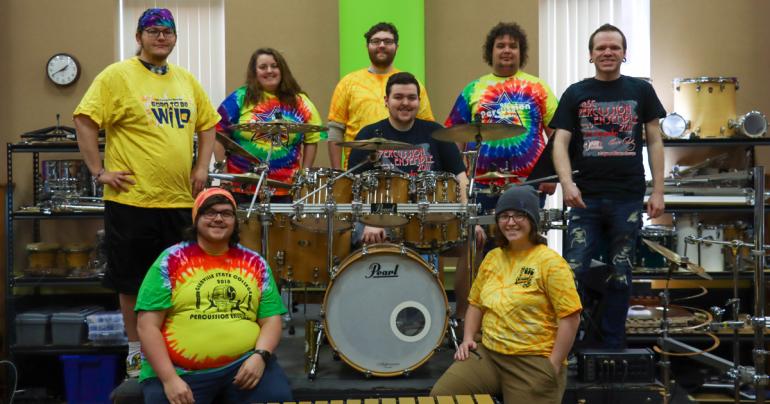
[522, 296]
[359, 100]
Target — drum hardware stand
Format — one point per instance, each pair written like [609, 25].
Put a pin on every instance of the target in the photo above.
[741, 375]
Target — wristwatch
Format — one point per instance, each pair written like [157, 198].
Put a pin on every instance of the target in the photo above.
[264, 354]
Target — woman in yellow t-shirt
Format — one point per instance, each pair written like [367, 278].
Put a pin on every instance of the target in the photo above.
[525, 303]
[270, 93]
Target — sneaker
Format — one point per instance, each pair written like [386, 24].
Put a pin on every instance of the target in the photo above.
[133, 364]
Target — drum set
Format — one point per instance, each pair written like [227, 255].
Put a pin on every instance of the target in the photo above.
[308, 243]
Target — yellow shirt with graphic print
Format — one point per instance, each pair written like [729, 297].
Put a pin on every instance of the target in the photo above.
[149, 120]
[522, 296]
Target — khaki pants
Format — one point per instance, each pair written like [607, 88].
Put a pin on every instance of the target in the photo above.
[519, 379]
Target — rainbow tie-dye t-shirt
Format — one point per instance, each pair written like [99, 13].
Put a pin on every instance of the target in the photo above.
[212, 302]
[521, 99]
[522, 296]
[286, 159]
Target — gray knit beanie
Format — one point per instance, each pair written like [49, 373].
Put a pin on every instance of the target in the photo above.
[521, 198]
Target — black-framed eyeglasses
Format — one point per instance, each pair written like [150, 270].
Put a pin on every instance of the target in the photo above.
[212, 214]
[378, 42]
[155, 33]
[517, 217]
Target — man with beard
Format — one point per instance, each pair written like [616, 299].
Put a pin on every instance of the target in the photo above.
[150, 110]
[357, 99]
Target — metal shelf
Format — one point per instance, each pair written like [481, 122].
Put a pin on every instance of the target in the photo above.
[47, 147]
[690, 276]
[68, 350]
[732, 141]
[22, 215]
[34, 281]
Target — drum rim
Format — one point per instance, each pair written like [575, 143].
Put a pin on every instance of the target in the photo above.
[390, 173]
[705, 79]
[343, 265]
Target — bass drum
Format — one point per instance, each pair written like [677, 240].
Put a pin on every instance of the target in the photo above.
[385, 311]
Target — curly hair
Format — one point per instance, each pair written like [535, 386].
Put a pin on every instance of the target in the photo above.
[514, 31]
[379, 27]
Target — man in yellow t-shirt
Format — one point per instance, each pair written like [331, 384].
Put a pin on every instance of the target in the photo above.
[357, 100]
[150, 111]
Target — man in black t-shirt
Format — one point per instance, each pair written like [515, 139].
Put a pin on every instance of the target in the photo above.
[402, 97]
[605, 114]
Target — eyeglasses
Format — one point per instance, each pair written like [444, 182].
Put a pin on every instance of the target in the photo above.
[155, 33]
[211, 214]
[378, 42]
[515, 216]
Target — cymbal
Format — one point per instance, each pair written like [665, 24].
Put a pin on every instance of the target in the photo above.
[378, 143]
[675, 258]
[235, 148]
[467, 132]
[278, 126]
[249, 178]
[495, 175]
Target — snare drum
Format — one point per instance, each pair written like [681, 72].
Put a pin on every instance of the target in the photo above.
[395, 330]
[383, 190]
[648, 259]
[711, 256]
[423, 235]
[436, 187]
[708, 103]
[312, 179]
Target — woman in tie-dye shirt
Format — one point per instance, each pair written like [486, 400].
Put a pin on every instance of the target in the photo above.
[525, 303]
[270, 93]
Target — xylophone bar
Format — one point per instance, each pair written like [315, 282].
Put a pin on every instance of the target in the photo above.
[406, 208]
[464, 399]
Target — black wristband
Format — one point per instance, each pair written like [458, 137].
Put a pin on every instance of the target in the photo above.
[264, 354]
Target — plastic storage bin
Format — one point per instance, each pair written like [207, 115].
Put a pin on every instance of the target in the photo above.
[106, 328]
[89, 378]
[32, 328]
[69, 327]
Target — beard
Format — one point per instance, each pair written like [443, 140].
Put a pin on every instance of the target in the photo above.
[380, 63]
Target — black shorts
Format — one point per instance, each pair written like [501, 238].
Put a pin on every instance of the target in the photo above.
[135, 237]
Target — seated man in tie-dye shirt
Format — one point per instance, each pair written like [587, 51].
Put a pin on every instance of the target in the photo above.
[210, 316]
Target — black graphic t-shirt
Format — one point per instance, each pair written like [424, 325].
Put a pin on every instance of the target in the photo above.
[433, 155]
[606, 120]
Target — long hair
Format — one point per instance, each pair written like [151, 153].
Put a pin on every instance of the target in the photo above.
[534, 237]
[514, 31]
[288, 88]
[191, 233]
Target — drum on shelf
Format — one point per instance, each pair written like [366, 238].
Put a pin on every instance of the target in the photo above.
[295, 254]
[311, 179]
[646, 258]
[382, 190]
[76, 256]
[423, 235]
[686, 225]
[436, 187]
[711, 255]
[708, 103]
[385, 311]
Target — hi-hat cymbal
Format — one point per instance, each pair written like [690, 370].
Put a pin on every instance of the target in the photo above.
[675, 258]
[277, 126]
[378, 143]
[235, 148]
[467, 132]
[249, 178]
[495, 175]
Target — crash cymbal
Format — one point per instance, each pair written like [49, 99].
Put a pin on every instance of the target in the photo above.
[378, 143]
[467, 132]
[235, 148]
[495, 175]
[278, 126]
[675, 258]
[249, 178]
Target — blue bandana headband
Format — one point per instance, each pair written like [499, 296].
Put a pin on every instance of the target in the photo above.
[156, 17]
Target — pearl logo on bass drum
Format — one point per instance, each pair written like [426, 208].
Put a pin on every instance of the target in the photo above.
[376, 270]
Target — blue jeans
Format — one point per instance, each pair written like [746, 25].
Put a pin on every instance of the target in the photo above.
[615, 224]
[218, 385]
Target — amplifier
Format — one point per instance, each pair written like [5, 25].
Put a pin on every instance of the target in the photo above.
[619, 365]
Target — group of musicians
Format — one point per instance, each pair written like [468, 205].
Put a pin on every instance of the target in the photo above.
[203, 313]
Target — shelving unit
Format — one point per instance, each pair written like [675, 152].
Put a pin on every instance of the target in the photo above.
[33, 284]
